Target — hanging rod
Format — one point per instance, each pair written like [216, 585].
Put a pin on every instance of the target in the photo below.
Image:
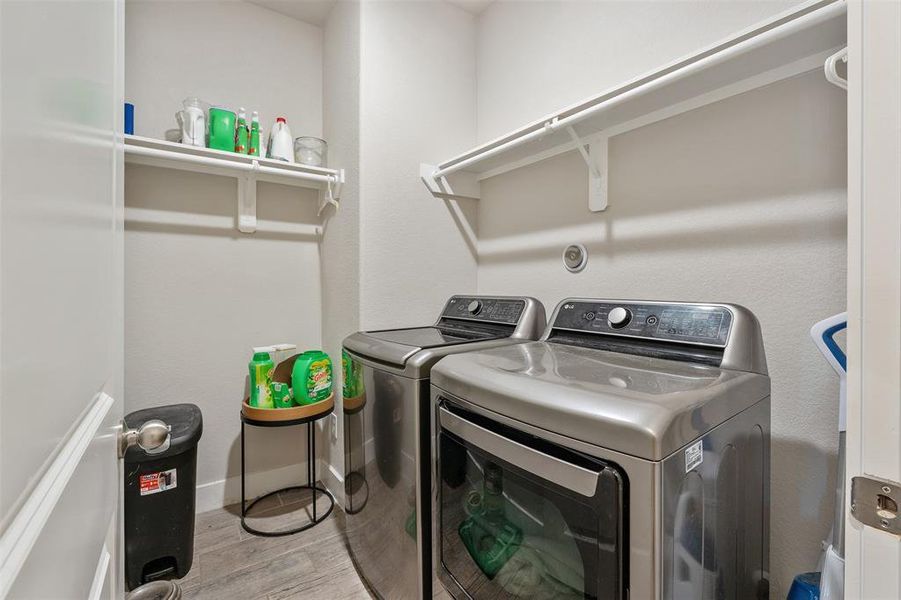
[242, 167]
[815, 14]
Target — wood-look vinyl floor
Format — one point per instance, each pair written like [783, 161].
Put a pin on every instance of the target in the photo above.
[230, 563]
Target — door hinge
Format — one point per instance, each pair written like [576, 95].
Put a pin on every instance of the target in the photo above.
[875, 502]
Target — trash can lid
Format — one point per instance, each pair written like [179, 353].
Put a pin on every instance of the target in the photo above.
[186, 422]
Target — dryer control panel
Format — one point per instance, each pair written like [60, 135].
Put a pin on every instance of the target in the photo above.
[702, 324]
[481, 308]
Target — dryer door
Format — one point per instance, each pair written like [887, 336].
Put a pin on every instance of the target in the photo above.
[518, 517]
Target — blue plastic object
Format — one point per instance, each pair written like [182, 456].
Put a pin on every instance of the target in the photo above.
[129, 118]
[829, 340]
[806, 586]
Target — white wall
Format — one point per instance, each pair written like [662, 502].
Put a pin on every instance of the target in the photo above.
[198, 293]
[537, 57]
[417, 104]
[741, 201]
[227, 53]
[391, 256]
[340, 250]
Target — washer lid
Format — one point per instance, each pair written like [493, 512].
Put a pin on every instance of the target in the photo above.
[396, 346]
[643, 406]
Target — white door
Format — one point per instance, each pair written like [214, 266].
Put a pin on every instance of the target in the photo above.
[60, 297]
[873, 557]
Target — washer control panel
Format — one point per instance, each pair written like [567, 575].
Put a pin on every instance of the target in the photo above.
[687, 323]
[480, 308]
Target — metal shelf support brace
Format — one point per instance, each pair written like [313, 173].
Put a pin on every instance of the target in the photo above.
[594, 153]
[329, 194]
[247, 200]
[831, 68]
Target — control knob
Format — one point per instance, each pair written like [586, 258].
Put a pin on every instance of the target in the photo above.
[474, 307]
[619, 317]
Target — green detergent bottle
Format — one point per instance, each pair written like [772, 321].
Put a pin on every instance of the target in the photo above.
[311, 377]
[241, 132]
[261, 367]
[254, 148]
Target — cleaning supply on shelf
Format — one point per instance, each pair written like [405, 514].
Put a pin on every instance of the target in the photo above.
[281, 144]
[311, 377]
[261, 367]
[129, 118]
[241, 132]
[254, 145]
[192, 122]
[311, 151]
[222, 129]
[282, 396]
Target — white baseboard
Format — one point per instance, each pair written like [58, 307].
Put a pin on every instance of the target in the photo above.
[334, 482]
[339, 478]
[217, 494]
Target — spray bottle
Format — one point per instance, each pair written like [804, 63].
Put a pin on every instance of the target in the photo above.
[241, 132]
[254, 148]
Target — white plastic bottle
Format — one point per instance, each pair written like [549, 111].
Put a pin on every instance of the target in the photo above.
[281, 143]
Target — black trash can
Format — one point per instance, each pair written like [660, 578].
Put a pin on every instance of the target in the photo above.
[159, 497]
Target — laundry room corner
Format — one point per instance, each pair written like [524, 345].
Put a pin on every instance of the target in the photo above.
[199, 294]
[417, 103]
[340, 248]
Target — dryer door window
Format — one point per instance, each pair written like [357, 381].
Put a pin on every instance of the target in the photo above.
[520, 518]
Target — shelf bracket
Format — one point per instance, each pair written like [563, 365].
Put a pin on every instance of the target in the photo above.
[247, 200]
[594, 153]
[830, 68]
[464, 186]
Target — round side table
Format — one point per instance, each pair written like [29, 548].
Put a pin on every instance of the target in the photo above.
[287, 417]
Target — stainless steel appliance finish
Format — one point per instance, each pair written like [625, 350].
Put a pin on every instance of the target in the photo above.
[653, 414]
[387, 447]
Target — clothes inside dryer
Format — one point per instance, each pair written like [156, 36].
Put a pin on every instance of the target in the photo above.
[506, 533]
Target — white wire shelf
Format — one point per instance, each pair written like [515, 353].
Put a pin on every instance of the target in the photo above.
[246, 169]
[792, 43]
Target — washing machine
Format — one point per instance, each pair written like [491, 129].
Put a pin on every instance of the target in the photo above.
[387, 428]
[624, 455]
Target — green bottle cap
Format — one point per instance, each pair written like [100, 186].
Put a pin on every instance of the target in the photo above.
[260, 356]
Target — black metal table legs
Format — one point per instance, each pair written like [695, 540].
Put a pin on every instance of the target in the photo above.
[311, 484]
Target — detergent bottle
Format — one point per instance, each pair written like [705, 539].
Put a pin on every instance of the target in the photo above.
[311, 377]
[261, 367]
[281, 144]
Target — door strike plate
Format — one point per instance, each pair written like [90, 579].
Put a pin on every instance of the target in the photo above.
[875, 502]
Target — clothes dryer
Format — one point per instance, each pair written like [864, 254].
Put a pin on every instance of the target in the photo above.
[624, 455]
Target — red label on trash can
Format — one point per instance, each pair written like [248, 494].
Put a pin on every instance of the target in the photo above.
[153, 483]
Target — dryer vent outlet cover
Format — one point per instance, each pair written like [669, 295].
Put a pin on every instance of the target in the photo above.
[575, 257]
